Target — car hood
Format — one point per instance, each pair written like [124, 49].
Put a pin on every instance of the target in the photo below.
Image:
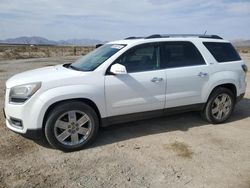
[46, 74]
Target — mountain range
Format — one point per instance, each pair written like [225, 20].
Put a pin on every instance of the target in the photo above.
[80, 42]
[43, 41]
[241, 43]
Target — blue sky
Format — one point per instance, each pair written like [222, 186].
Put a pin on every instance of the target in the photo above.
[115, 19]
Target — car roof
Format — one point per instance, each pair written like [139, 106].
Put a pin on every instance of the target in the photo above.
[162, 38]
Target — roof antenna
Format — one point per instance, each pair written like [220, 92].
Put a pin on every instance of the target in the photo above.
[205, 32]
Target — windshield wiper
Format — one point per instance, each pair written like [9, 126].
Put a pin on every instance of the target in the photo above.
[73, 67]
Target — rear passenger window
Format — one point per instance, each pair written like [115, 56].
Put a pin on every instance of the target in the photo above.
[222, 52]
[180, 54]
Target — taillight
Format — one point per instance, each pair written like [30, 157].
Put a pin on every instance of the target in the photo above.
[244, 67]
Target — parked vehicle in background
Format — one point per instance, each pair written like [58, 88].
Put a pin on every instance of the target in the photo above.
[126, 80]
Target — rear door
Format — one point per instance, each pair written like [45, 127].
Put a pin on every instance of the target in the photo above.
[142, 88]
[186, 73]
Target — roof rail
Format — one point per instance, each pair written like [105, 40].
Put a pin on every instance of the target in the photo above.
[176, 35]
[183, 35]
[210, 36]
[129, 38]
[153, 36]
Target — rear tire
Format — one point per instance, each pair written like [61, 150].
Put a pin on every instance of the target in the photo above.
[219, 106]
[71, 126]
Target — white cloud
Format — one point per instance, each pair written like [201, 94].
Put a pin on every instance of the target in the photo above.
[109, 19]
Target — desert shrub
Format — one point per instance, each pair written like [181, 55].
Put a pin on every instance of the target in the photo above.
[22, 51]
[244, 51]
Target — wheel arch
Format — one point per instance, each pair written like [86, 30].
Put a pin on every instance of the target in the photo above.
[231, 86]
[83, 100]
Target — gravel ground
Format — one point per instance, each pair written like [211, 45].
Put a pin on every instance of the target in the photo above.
[174, 151]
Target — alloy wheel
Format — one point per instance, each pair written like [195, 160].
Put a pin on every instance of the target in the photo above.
[221, 106]
[72, 128]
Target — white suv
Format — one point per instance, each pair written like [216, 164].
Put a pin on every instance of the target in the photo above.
[126, 80]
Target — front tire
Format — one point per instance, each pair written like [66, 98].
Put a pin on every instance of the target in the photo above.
[220, 106]
[71, 126]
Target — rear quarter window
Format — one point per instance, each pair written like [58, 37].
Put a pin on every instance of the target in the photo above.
[222, 51]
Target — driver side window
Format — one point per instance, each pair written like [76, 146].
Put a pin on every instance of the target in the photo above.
[140, 58]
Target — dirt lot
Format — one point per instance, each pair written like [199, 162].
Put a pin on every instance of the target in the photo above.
[174, 151]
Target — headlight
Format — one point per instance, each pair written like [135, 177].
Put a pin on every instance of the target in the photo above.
[20, 94]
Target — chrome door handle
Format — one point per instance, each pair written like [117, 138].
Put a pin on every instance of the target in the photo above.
[202, 74]
[156, 79]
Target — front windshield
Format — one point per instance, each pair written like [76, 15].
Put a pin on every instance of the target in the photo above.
[95, 58]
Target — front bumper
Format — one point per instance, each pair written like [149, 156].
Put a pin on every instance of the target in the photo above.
[28, 133]
[4, 115]
[26, 118]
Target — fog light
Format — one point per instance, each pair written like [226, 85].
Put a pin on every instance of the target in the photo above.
[16, 122]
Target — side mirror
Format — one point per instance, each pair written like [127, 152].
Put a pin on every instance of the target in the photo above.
[118, 69]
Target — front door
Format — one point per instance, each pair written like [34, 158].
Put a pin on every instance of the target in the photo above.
[142, 89]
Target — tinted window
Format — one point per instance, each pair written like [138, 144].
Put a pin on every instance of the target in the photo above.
[180, 54]
[222, 52]
[140, 58]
